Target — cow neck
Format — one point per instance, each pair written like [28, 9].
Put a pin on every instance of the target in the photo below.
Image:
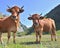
[16, 21]
[11, 17]
[38, 22]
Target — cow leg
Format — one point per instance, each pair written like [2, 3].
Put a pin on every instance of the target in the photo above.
[54, 34]
[8, 37]
[51, 37]
[14, 34]
[36, 37]
[55, 37]
[0, 37]
[40, 35]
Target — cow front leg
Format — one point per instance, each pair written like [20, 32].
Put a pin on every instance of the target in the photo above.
[0, 37]
[36, 37]
[8, 37]
[40, 35]
[14, 34]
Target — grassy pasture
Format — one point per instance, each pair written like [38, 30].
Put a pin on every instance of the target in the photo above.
[28, 41]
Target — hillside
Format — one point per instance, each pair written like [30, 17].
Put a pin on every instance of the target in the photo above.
[24, 27]
[55, 14]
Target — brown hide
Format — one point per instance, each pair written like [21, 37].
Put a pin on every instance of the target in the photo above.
[8, 25]
[46, 24]
[11, 23]
[42, 24]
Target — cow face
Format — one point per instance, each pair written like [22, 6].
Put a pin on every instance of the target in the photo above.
[35, 19]
[15, 11]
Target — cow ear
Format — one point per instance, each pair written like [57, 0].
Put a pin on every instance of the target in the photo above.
[21, 10]
[41, 17]
[30, 18]
[9, 10]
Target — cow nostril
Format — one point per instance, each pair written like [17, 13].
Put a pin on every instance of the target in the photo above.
[35, 23]
[14, 16]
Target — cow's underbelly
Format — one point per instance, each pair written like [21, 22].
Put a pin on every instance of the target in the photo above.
[46, 30]
[11, 29]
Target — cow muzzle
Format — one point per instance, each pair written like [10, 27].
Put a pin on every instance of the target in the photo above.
[36, 24]
[14, 17]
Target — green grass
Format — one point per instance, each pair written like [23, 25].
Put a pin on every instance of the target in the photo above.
[28, 41]
[58, 32]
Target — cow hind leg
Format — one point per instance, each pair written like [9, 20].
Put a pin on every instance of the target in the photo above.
[14, 34]
[54, 31]
[51, 37]
[54, 34]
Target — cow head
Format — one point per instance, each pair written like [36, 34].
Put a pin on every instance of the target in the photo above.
[15, 11]
[35, 19]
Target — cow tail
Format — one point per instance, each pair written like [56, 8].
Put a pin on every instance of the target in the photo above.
[54, 26]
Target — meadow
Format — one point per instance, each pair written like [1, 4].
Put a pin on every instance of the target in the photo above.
[28, 41]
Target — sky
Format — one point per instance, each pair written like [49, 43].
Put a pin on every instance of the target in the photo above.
[30, 7]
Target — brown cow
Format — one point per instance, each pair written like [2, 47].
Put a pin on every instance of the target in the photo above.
[42, 24]
[10, 24]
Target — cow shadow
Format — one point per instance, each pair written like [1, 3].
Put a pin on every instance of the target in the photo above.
[30, 43]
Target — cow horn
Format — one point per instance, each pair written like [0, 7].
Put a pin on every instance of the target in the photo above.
[8, 6]
[22, 7]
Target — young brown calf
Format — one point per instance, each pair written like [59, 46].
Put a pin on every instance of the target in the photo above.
[42, 24]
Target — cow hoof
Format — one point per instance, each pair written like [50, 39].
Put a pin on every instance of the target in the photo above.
[14, 42]
[51, 39]
[55, 40]
[38, 42]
